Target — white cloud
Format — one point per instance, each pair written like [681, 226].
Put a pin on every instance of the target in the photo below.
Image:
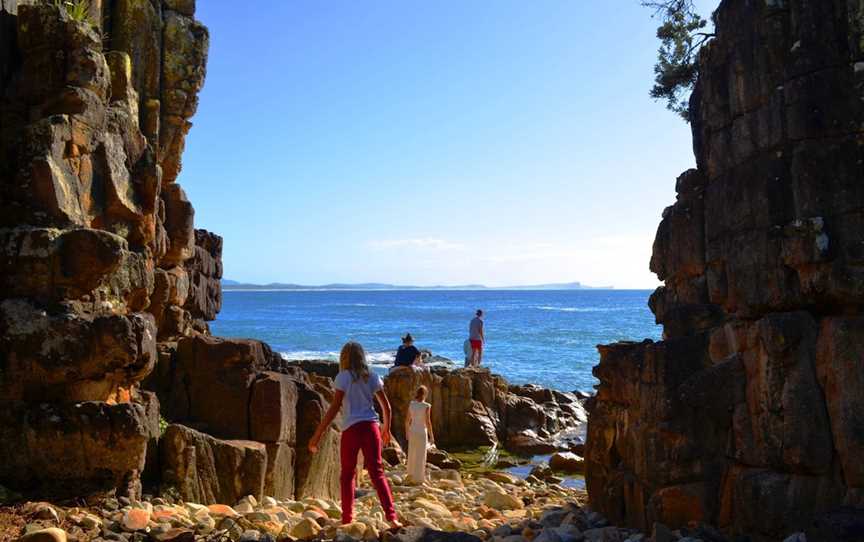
[618, 260]
[423, 243]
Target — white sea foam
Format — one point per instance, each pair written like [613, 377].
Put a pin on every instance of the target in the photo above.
[308, 354]
[375, 358]
[381, 359]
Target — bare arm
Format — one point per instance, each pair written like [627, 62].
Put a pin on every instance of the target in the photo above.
[429, 425]
[482, 332]
[385, 410]
[329, 416]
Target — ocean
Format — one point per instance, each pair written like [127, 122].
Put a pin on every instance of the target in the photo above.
[545, 337]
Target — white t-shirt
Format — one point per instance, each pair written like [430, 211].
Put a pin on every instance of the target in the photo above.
[359, 402]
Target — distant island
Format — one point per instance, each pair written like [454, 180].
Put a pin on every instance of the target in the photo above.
[230, 285]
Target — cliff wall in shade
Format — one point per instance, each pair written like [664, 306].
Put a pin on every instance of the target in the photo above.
[105, 284]
[749, 414]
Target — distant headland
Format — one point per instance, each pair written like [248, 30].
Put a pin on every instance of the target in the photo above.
[229, 285]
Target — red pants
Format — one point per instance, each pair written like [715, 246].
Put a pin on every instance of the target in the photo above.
[367, 437]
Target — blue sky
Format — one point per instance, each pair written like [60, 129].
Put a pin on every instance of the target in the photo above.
[496, 142]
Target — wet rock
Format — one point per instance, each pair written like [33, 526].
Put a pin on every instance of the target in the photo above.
[442, 459]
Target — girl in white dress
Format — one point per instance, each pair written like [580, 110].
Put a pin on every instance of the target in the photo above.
[418, 429]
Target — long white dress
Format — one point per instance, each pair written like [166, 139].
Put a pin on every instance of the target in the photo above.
[417, 441]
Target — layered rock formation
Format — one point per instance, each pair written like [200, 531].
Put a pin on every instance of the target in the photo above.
[243, 412]
[90, 215]
[748, 414]
[473, 407]
[103, 277]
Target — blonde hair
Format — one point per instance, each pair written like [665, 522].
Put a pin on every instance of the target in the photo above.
[352, 358]
[421, 393]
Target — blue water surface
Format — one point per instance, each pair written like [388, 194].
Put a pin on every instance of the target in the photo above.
[544, 337]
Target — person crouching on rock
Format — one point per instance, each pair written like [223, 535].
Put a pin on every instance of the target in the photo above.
[408, 355]
[357, 387]
[418, 429]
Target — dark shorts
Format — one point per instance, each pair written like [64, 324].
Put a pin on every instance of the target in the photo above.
[476, 345]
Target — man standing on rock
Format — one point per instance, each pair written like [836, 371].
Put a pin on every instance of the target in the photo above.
[477, 338]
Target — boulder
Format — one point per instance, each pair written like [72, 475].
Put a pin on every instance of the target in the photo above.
[61, 451]
[217, 376]
[280, 476]
[567, 462]
[317, 474]
[273, 408]
[201, 468]
[51, 534]
[473, 407]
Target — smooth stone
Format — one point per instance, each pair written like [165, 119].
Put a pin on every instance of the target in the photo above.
[354, 529]
[250, 535]
[602, 534]
[51, 534]
[175, 534]
[205, 525]
[194, 507]
[500, 500]
[222, 511]
[305, 528]
[135, 519]
[548, 535]
[662, 533]
[553, 518]
[503, 478]
[433, 508]
[568, 532]
[503, 530]
[244, 507]
[42, 510]
[296, 507]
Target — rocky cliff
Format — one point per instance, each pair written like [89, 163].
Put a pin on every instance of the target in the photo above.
[103, 277]
[749, 413]
[474, 407]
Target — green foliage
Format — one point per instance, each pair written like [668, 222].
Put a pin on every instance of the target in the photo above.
[78, 10]
[681, 34]
[163, 425]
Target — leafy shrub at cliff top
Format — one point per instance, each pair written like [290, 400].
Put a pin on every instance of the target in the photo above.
[681, 34]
